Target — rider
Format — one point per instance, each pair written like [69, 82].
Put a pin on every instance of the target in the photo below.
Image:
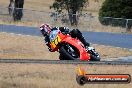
[75, 33]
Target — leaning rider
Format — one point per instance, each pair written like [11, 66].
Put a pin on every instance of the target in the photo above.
[75, 33]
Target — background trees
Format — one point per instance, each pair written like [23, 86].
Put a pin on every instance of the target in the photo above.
[71, 6]
[16, 9]
[116, 9]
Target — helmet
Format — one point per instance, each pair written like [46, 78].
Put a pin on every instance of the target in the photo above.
[45, 28]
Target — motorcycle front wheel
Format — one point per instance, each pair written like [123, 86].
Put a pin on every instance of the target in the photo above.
[68, 53]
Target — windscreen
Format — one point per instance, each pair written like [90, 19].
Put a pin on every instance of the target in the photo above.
[53, 34]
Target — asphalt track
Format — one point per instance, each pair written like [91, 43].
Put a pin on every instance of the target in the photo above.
[110, 39]
[33, 61]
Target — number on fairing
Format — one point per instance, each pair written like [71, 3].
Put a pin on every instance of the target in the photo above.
[56, 41]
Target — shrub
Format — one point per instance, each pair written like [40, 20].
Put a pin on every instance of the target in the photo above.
[116, 9]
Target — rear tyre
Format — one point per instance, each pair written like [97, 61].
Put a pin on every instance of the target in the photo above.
[93, 54]
[94, 58]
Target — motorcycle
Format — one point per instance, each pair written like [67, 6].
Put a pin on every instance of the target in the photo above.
[71, 48]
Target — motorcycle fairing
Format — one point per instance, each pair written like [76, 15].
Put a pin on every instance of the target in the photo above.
[76, 43]
[57, 38]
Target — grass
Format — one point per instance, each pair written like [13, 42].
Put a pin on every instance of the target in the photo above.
[29, 47]
[52, 76]
[14, 46]
[55, 76]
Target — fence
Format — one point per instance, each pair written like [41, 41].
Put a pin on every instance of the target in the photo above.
[86, 22]
[126, 23]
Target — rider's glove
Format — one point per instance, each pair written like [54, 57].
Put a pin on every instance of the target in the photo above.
[50, 49]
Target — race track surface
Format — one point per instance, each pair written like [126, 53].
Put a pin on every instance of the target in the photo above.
[33, 61]
[111, 39]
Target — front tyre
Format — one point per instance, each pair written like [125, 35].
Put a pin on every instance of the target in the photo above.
[68, 53]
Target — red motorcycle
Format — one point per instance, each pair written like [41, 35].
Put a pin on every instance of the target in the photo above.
[71, 48]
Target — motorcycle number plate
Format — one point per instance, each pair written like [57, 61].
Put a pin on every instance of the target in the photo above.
[55, 42]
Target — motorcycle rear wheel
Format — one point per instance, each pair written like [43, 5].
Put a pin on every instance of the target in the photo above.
[94, 58]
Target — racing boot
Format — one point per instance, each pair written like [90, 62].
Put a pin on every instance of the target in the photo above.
[82, 39]
[76, 33]
[86, 44]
